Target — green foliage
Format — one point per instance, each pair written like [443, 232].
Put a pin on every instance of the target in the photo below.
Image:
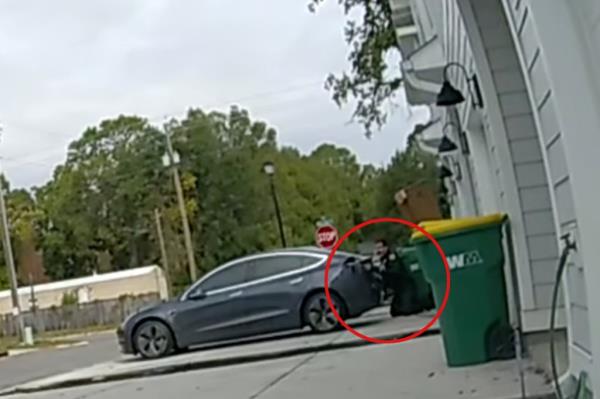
[4, 280]
[99, 202]
[412, 166]
[372, 79]
[69, 299]
[97, 212]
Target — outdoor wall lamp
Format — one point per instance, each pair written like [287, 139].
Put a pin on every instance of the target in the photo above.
[450, 95]
[444, 172]
[447, 145]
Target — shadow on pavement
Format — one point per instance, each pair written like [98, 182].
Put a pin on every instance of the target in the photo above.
[261, 338]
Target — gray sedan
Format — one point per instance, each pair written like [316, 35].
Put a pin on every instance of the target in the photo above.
[254, 295]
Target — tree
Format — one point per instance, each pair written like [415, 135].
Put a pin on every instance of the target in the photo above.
[371, 81]
[98, 207]
[96, 213]
[24, 228]
[25, 220]
[222, 153]
[411, 166]
[4, 280]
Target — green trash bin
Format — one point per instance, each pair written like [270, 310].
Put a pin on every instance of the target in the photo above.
[411, 262]
[475, 324]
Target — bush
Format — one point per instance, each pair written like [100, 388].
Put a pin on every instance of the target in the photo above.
[70, 298]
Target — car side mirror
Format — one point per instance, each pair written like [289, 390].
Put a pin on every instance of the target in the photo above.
[197, 294]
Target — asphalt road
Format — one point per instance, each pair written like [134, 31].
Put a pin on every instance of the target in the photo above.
[408, 371]
[14, 370]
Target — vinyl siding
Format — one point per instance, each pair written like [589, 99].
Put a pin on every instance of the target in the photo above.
[525, 146]
[552, 144]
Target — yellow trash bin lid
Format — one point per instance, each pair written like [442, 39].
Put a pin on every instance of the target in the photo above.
[445, 226]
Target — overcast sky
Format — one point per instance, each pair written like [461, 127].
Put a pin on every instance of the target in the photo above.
[68, 64]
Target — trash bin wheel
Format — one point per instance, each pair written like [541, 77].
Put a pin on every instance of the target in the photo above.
[501, 342]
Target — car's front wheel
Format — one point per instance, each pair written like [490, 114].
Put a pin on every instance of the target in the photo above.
[153, 339]
[319, 316]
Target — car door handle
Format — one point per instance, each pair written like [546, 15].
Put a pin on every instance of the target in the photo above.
[235, 294]
[296, 281]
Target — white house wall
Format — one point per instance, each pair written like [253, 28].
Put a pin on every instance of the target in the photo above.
[559, 43]
[538, 63]
[478, 36]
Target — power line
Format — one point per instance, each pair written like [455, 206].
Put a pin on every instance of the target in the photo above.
[274, 93]
[287, 90]
[267, 94]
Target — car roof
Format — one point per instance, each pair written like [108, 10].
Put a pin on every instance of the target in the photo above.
[312, 250]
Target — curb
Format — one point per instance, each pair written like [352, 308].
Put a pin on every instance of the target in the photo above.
[207, 364]
[536, 396]
[22, 351]
[26, 350]
[81, 336]
[72, 345]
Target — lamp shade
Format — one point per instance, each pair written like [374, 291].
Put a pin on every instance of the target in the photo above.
[449, 95]
[447, 145]
[444, 172]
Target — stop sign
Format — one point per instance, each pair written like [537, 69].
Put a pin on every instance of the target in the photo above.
[326, 236]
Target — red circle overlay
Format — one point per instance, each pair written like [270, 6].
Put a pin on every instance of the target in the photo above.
[440, 309]
[326, 236]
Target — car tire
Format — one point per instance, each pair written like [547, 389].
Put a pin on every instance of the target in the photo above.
[153, 339]
[318, 315]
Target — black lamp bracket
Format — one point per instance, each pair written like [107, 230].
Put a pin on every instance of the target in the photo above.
[473, 83]
[450, 123]
[462, 136]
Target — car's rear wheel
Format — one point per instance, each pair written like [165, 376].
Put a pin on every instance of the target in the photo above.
[319, 316]
[153, 339]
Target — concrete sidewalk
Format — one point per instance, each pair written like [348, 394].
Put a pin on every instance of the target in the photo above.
[374, 324]
[411, 370]
[414, 369]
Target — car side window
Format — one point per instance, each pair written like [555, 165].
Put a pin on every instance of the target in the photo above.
[269, 266]
[230, 276]
[309, 260]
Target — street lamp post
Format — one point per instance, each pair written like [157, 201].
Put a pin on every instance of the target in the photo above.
[269, 170]
[171, 159]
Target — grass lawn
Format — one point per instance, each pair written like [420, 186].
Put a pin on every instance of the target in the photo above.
[7, 343]
[13, 343]
[78, 331]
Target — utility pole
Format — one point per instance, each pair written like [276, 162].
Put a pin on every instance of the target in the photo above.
[163, 251]
[32, 298]
[187, 235]
[10, 263]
